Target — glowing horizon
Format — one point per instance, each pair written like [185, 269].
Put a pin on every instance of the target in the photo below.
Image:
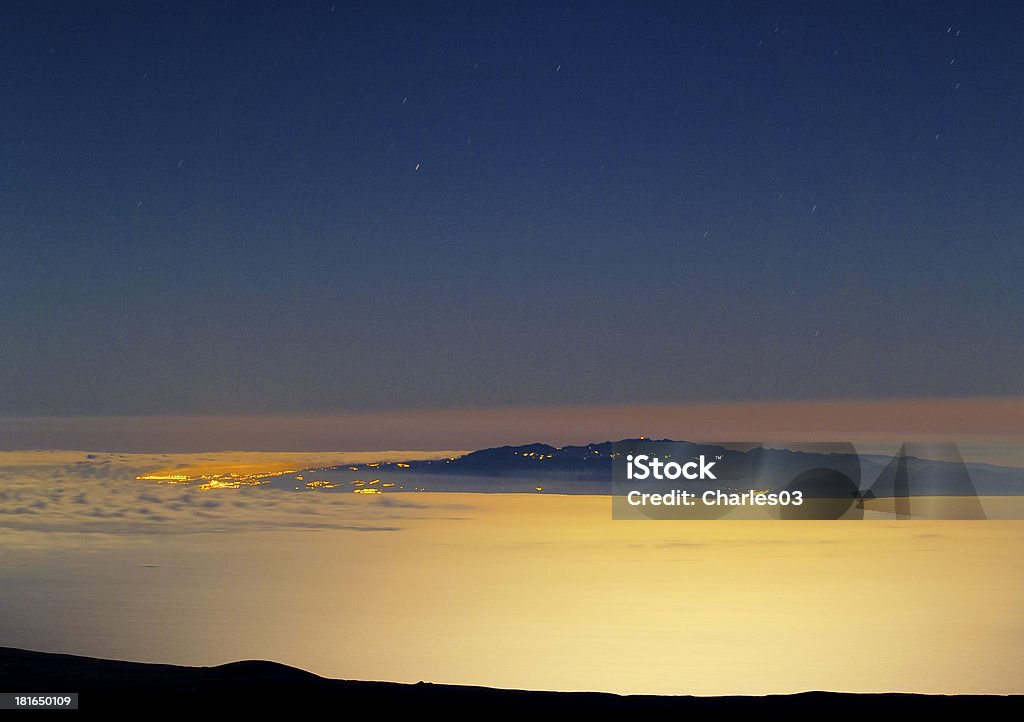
[995, 421]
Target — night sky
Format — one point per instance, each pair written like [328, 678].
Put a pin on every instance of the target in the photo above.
[260, 208]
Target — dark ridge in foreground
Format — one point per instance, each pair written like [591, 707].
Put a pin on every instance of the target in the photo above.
[268, 686]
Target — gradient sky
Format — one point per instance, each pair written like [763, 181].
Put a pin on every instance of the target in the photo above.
[237, 208]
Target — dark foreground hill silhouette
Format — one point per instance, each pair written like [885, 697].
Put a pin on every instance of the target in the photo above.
[107, 685]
